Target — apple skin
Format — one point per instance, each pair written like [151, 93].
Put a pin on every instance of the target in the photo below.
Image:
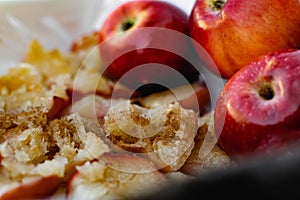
[194, 96]
[38, 188]
[125, 22]
[258, 110]
[241, 30]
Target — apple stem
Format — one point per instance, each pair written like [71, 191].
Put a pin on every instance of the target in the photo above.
[217, 5]
[266, 92]
[127, 25]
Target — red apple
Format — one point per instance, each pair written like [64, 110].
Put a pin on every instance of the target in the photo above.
[236, 32]
[258, 110]
[154, 33]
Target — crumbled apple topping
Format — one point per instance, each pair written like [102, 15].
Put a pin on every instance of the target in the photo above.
[33, 144]
[59, 118]
[165, 132]
[43, 75]
[109, 182]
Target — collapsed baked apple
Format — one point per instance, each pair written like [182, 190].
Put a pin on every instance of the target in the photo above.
[61, 126]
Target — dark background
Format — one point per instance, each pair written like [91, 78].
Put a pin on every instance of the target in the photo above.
[276, 176]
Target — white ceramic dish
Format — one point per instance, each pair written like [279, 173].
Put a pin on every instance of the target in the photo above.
[54, 23]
